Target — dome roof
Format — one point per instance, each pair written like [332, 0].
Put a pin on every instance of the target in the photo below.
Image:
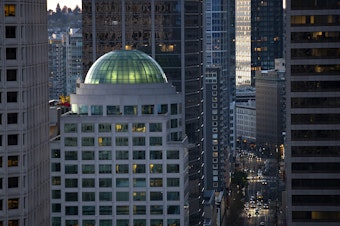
[125, 67]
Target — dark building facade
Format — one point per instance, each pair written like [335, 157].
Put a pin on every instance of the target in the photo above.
[313, 112]
[270, 107]
[170, 32]
[266, 34]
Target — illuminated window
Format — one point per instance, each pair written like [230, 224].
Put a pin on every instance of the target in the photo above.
[9, 10]
[13, 161]
[13, 203]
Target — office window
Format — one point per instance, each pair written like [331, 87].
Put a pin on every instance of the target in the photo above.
[172, 168]
[87, 141]
[71, 196]
[96, 110]
[71, 183]
[13, 203]
[108, 222]
[138, 154]
[156, 222]
[88, 182]
[156, 168]
[88, 196]
[113, 110]
[13, 161]
[88, 210]
[56, 221]
[162, 109]
[122, 196]
[87, 127]
[138, 127]
[172, 154]
[71, 155]
[122, 155]
[70, 141]
[11, 53]
[122, 210]
[105, 168]
[147, 109]
[104, 127]
[156, 196]
[71, 210]
[122, 127]
[122, 141]
[56, 194]
[104, 141]
[105, 196]
[55, 167]
[138, 141]
[56, 181]
[13, 182]
[71, 222]
[87, 155]
[55, 153]
[173, 182]
[122, 168]
[12, 139]
[173, 210]
[156, 182]
[156, 210]
[130, 110]
[71, 169]
[156, 155]
[12, 97]
[139, 182]
[139, 210]
[89, 223]
[9, 10]
[70, 128]
[11, 75]
[156, 141]
[122, 182]
[155, 127]
[11, 31]
[105, 182]
[172, 195]
[105, 210]
[173, 109]
[88, 169]
[105, 155]
[138, 168]
[56, 207]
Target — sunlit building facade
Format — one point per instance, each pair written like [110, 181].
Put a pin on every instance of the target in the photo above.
[121, 157]
[313, 106]
[24, 156]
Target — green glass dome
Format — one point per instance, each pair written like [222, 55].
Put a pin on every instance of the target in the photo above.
[125, 67]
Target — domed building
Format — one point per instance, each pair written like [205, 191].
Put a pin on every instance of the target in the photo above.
[122, 150]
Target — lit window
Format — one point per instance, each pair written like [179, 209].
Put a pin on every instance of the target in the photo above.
[13, 161]
[13, 203]
[9, 10]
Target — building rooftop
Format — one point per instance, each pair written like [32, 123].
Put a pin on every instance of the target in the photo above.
[125, 67]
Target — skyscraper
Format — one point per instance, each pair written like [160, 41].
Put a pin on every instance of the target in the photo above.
[24, 156]
[121, 158]
[313, 106]
[171, 32]
[259, 37]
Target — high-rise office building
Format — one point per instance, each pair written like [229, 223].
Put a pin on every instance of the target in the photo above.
[171, 32]
[121, 158]
[259, 37]
[219, 90]
[313, 106]
[24, 136]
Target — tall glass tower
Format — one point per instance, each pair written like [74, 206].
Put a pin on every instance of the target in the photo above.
[171, 32]
[24, 135]
[313, 112]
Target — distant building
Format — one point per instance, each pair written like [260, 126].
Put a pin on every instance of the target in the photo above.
[246, 121]
[57, 65]
[270, 106]
[24, 136]
[121, 157]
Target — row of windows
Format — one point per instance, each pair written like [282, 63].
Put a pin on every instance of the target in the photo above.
[107, 141]
[119, 155]
[307, 70]
[312, 167]
[315, 102]
[119, 127]
[315, 86]
[319, 36]
[120, 182]
[120, 196]
[315, 151]
[297, 119]
[315, 4]
[126, 110]
[316, 200]
[315, 53]
[316, 184]
[120, 210]
[119, 168]
[56, 221]
[319, 20]
[316, 216]
[315, 135]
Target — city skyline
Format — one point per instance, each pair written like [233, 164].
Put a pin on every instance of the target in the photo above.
[52, 4]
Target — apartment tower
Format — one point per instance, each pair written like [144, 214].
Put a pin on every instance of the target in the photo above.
[24, 156]
[313, 112]
[171, 33]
